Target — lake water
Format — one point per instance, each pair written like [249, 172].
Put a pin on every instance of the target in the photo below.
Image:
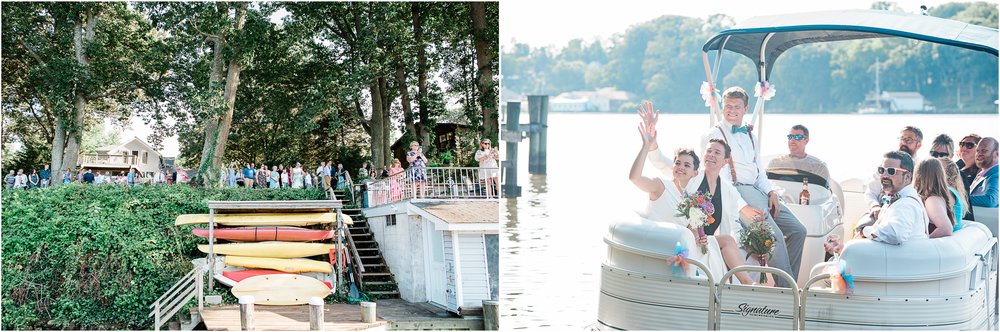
[553, 235]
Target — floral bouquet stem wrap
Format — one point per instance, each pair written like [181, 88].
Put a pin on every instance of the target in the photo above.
[758, 240]
[698, 209]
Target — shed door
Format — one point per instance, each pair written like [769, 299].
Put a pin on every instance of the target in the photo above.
[436, 285]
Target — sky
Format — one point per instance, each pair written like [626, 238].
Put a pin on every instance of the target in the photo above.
[555, 22]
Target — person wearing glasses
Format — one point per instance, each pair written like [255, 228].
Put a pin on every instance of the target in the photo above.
[943, 146]
[746, 172]
[902, 216]
[797, 158]
[910, 139]
[985, 187]
[488, 168]
[967, 159]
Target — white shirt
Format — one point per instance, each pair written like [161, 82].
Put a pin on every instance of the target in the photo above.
[901, 221]
[749, 169]
[489, 162]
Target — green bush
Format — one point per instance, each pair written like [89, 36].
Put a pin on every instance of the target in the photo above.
[95, 258]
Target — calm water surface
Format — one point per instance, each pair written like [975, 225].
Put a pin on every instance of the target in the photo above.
[553, 236]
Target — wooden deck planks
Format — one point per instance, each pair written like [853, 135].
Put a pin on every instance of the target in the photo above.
[337, 317]
[393, 314]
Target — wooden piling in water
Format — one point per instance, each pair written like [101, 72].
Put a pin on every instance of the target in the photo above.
[367, 312]
[538, 108]
[315, 313]
[491, 315]
[512, 135]
[246, 313]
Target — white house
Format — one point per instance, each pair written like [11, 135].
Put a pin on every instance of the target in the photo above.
[130, 153]
[442, 252]
[599, 100]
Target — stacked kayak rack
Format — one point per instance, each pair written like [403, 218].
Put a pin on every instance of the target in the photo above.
[279, 252]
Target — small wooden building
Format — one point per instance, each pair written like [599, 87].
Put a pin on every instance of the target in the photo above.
[442, 252]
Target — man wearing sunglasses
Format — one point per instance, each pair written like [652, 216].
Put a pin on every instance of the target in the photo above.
[903, 217]
[797, 158]
[985, 187]
[910, 139]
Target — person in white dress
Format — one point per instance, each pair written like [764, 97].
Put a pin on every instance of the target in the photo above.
[297, 176]
[666, 194]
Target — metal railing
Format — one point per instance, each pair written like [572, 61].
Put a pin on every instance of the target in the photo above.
[431, 183]
[177, 296]
[108, 159]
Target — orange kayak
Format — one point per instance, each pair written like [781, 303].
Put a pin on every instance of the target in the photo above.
[273, 233]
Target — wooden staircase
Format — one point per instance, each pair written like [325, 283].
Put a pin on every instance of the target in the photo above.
[376, 280]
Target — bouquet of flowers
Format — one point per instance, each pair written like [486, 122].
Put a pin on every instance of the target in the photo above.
[758, 240]
[698, 209]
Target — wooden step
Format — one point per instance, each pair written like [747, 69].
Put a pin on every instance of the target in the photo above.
[369, 257]
[374, 265]
[375, 274]
[384, 292]
[366, 249]
[378, 283]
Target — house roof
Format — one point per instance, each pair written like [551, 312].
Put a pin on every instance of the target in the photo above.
[113, 147]
[462, 212]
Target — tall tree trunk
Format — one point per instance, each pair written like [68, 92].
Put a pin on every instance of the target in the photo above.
[423, 128]
[83, 32]
[208, 166]
[378, 130]
[58, 146]
[386, 123]
[217, 129]
[405, 95]
[487, 93]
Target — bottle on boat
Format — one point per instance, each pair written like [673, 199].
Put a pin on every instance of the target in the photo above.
[804, 195]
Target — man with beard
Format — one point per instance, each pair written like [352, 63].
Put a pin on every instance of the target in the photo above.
[984, 187]
[902, 216]
[909, 142]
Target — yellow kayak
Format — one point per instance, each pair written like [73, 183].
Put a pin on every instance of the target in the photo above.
[280, 264]
[261, 219]
[281, 289]
[270, 249]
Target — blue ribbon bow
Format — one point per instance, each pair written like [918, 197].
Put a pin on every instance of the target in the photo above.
[742, 129]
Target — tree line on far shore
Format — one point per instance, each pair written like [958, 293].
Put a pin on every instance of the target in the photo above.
[661, 60]
[258, 81]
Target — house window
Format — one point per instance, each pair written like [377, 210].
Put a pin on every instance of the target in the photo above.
[145, 157]
[390, 220]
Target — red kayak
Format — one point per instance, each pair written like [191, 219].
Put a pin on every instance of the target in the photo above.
[238, 276]
[272, 233]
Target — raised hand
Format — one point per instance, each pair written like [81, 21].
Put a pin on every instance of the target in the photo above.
[648, 133]
[647, 113]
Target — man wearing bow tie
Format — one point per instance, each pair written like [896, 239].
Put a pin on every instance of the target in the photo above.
[747, 173]
[903, 217]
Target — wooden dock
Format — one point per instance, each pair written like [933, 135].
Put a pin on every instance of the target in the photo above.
[392, 314]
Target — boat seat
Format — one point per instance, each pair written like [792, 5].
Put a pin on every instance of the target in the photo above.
[927, 267]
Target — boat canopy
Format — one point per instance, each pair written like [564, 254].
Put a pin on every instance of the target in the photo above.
[764, 38]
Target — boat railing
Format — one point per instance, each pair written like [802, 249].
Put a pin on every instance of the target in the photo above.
[190, 286]
[429, 183]
[796, 309]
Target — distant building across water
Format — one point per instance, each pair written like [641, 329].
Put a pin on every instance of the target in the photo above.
[895, 102]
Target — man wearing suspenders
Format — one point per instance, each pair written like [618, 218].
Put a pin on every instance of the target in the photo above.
[747, 173]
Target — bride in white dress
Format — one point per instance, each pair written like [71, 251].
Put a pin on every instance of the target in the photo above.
[666, 194]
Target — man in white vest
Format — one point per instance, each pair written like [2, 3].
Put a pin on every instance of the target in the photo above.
[750, 178]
